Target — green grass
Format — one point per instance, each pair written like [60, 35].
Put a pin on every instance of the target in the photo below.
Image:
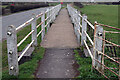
[26, 69]
[85, 67]
[86, 71]
[104, 14]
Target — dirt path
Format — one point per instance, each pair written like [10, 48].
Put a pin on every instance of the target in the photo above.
[60, 41]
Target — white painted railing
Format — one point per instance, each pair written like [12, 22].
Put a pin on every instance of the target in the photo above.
[12, 45]
[97, 53]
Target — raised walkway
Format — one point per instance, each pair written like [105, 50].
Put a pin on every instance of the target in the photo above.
[60, 41]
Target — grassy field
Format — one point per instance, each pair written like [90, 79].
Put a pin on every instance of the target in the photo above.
[104, 14]
[28, 68]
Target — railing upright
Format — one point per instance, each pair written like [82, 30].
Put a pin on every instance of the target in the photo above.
[34, 34]
[12, 50]
[78, 27]
[48, 15]
[43, 24]
[84, 28]
[97, 46]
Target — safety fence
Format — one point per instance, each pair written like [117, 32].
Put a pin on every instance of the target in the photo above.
[46, 17]
[92, 37]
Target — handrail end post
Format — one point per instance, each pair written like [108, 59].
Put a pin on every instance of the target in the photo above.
[12, 51]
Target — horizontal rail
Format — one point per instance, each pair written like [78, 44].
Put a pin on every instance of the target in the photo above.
[88, 37]
[80, 25]
[39, 25]
[88, 49]
[25, 50]
[107, 67]
[108, 42]
[89, 23]
[39, 33]
[108, 26]
[43, 22]
[111, 32]
[25, 24]
[107, 56]
[79, 32]
[47, 23]
[80, 15]
[39, 15]
[24, 38]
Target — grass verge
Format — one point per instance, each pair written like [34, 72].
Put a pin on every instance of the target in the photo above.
[85, 67]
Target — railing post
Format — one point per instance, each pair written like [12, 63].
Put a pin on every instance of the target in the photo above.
[12, 51]
[98, 46]
[54, 14]
[75, 23]
[52, 17]
[43, 25]
[34, 34]
[48, 15]
[78, 27]
[84, 28]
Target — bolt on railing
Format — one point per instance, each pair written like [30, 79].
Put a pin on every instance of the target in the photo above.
[12, 45]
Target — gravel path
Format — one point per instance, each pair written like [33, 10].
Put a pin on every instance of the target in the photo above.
[60, 41]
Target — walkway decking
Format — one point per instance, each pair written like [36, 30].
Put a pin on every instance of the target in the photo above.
[59, 42]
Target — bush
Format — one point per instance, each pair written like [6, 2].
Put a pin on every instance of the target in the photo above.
[17, 8]
[78, 4]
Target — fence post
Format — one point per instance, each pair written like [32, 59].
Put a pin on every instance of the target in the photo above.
[53, 13]
[34, 34]
[78, 27]
[98, 46]
[12, 50]
[43, 25]
[75, 22]
[84, 28]
[48, 15]
[52, 17]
